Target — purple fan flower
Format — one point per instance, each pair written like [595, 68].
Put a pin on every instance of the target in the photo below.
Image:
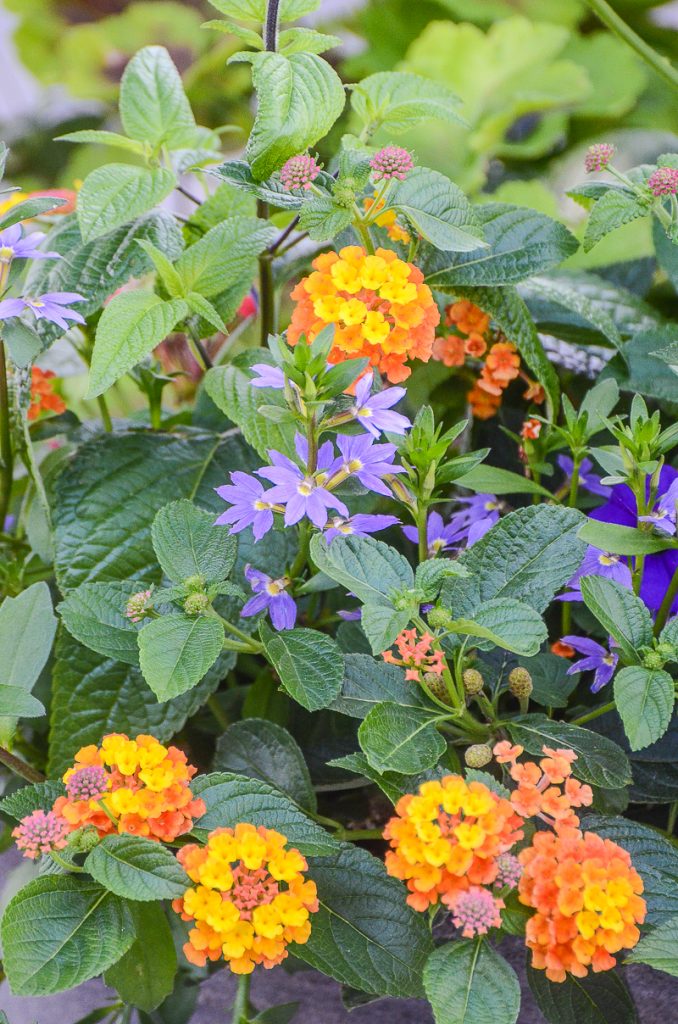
[439, 535]
[479, 515]
[14, 246]
[52, 306]
[269, 376]
[664, 515]
[303, 493]
[598, 563]
[368, 461]
[250, 505]
[272, 595]
[598, 659]
[588, 480]
[350, 615]
[374, 413]
[357, 526]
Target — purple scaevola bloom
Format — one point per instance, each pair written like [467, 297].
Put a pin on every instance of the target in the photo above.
[598, 563]
[663, 517]
[269, 376]
[374, 413]
[272, 595]
[439, 535]
[658, 569]
[250, 505]
[303, 493]
[14, 246]
[480, 513]
[368, 461]
[52, 306]
[359, 525]
[350, 615]
[588, 480]
[597, 659]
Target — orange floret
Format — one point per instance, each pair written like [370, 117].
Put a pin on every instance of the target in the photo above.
[450, 350]
[43, 396]
[537, 793]
[379, 305]
[467, 317]
[503, 362]
[483, 405]
[389, 220]
[250, 898]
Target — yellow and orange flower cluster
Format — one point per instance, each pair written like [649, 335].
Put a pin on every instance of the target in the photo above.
[388, 219]
[446, 839]
[379, 305]
[587, 898]
[43, 396]
[136, 786]
[250, 898]
[545, 790]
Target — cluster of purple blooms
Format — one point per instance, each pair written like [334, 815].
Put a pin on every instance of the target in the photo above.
[52, 306]
[476, 516]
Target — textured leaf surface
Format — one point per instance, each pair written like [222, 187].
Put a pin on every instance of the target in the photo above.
[381, 624]
[188, 543]
[310, 665]
[118, 193]
[368, 568]
[263, 750]
[513, 625]
[368, 682]
[620, 612]
[27, 627]
[659, 949]
[153, 105]
[470, 983]
[438, 209]
[137, 868]
[644, 699]
[401, 739]
[144, 976]
[176, 651]
[597, 999]
[600, 762]
[398, 100]
[612, 211]
[94, 615]
[223, 256]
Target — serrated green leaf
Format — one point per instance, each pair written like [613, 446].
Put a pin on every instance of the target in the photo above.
[144, 976]
[166, 272]
[368, 568]
[176, 651]
[623, 540]
[600, 762]
[223, 255]
[103, 138]
[401, 739]
[470, 983]
[16, 702]
[596, 999]
[38, 796]
[644, 699]
[368, 682]
[620, 612]
[564, 298]
[399, 100]
[507, 623]
[188, 543]
[263, 750]
[118, 193]
[27, 627]
[254, 11]
[302, 39]
[494, 480]
[203, 307]
[29, 208]
[310, 665]
[438, 210]
[659, 949]
[612, 211]
[238, 174]
[136, 868]
[382, 623]
[23, 342]
[131, 325]
[153, 106]
[95, 615]
[323, 218]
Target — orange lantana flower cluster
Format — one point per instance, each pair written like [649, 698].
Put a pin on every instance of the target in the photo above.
[389, 220]
[136, 786]
[416, 655]
[379, 305]
[250, 898]
[43, 396]
[587, 898]
[447, 839]
[545, 790]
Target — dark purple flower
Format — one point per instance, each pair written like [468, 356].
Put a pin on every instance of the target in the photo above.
[598, 660]
[14, 246]
[250, 505]
[479, 514]
[269, 376]
[588, 480]
[439, 535]
[663, 517]
[374, 411]
[350, 615]
[303, 493]
[272, 595]
[52, 306]
[359, 525]
[367, 461]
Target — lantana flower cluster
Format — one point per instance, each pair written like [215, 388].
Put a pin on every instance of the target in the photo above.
[379, 305]
[545, 790]
[250, 898]
[417, 655]
[44, 398]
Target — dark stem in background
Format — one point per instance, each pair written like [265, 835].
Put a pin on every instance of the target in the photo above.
[19, 767]
[6, 461]
[266, 295]
[271, 25]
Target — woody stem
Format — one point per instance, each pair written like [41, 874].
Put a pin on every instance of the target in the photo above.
[19, 767]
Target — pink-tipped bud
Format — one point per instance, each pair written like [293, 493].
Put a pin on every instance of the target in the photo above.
[138, 605]
[41, 832]
[663, 181]
[89, 783]
[476, 911]
[599, 156]
[509, 871]
[391, 162]
[299, 172]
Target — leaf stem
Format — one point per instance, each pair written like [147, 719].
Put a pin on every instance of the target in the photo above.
[67, 865]
[19, 767]
[596, 713]
[618, 26]
[667, 601]
[6, 457]
[241, 1005]
[105, 414]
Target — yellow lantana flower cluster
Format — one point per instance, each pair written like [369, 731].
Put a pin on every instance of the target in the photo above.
[250, 898]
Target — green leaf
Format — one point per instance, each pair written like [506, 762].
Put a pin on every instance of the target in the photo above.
[364, 934]
[238, 174]
[659, 949]
[398, 100]
[153, 106]
[27, 627]
[24, 344]
[644, 699]
[131, 325]
[95, 615]
[367, 683]
[29, 208]
[166, 272]
[504, 622]
[188, 543]
[370, 569]
[575, 299]
[176, 651]
[59, 931]
[18, 703]
[144, 976]
[528, 555]
[612, 211]
[438, 210]
[137, 868]
[470, 983]
[305, 40]
[620, 612]
[254, 11]
[323, 218]
[202, 307]
[401, 739]
[623, 540]
[263, 750]
[382, 623]
[103, 138]
[596, 999]
[224, 255]
[310, 665]
[39, 796]
[494, 480]
[551, 685]
[231, 798]
[600, 762]
[117, 193]
[521, 242]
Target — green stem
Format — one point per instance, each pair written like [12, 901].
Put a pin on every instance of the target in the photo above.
[665, 607]
[197, 349]
[671, 823]
[109, 814]
[19, 767]
[34, 471]
[252, 645]
[302, 554]
[574, 482]
[67, 865]
[364, 232]
[422, 526]
[596, 713]
[155, 409]
[242, 1000]
[618, 26]
[6, 458]
[266, 291]
[218, 712]
[105, 414]
[356, 835]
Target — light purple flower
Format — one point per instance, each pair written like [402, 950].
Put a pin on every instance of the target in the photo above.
[52, 306]
[367, 461]
[598, 659]
[664, 515]
[303, 493]
[250, 505]
[479, 514]
[598, 563]
[357, 526]
[14, 246]
[440, 536]
[588, 480]
[350, 615]
[272, 595]
[269, 376]
[373, 411]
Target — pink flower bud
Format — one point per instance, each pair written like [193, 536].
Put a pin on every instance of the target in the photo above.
[391, 162]
[299, 172]
[138, 605]
[599, 156]
[89, 783]
[663, 181]
[41, 832]
[476, 911]
[509, 871]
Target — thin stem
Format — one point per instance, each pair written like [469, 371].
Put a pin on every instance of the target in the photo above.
[34, 471]
[302, 554]
[252, 645]
[189, 195]
[242, 1000]
[6, 458]
[155, 409]
[667, 602]
[422, 527]
[198, 349]
[266, 291]
[271, 25]
[105, 414]
[19, 767]
[67, 865]
[356, 835]
[364, 232]
[596, 713]
[671, 823]
[218, 712]
[618, 26]
[283, 236]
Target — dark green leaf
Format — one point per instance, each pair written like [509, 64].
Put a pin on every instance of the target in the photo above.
[176, 651]
[39, 796]
[188, 543]
[470, 983]
[94, 614]
[401, 739]
[600, 762]
[596, 999]
[620, 612]
[137, 868]
[370, 569]
[310, 665]
[644, 699]
[263, 750]
[659, 949]
[368, 682]
[144, 976]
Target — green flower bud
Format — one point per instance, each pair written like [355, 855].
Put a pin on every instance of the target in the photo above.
[520, 683]
[196, 603]
[666, 650]
[194, 584]
[436, 684]
[83, 840]
[473, 681]
[439, 618]
[478, 755]
[344, 193]
[653, 659]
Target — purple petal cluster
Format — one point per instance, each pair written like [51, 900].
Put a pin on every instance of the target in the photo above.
[367, 461]
[373, 412]
[52, 306]
[360, 525]
[14, 245]
[272, 596]
[597, 659]
[303, 493]
[249, 507]
[588, 480]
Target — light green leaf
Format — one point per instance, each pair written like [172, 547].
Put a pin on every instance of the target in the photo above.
[95, 615]
[137, 868]
[59, 931]
[438, 210]
[27, 627]
[117, 193]
[188, 543]
[470, 983]
[310, 665]
[29, 208]
[254, 11]
[131, 325]
[367, 683]
[370, 569]
[659, 949]
[600, 762]
[23, 342]
[323, 218]
[596, 999]
[153, 106]
[305, 40]
[203, 307]
[644, 699]
[166, 272]
[507, 623]
[223, 255]
[624, 540]
[16, 702]
[612, 211]
[381, 624]
[401, 739]
[144, 976]
[398, 100]
[620, 612]
[263, 750]
[176, 651]
[494, 480]
[102, 138]
[238, 174]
